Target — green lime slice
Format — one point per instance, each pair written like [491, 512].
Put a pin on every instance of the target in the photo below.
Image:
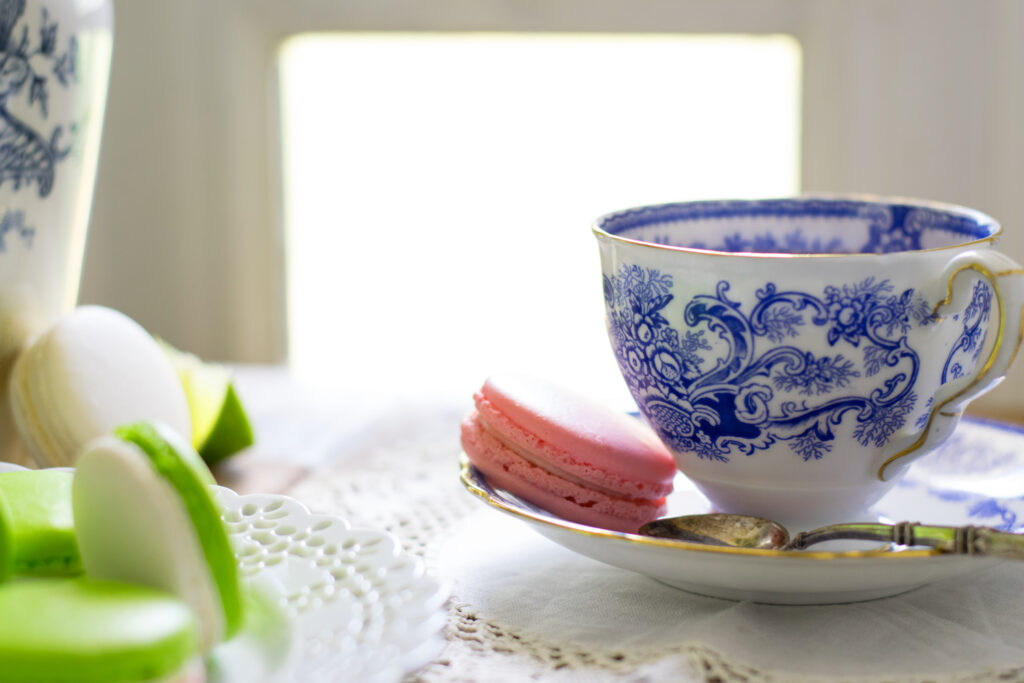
[220, 426]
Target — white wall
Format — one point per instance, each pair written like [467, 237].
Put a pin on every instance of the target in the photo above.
[910, 97]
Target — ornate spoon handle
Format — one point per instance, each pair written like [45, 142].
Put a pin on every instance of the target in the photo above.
[962, 540]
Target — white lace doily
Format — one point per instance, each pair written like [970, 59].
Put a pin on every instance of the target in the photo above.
[525, 609]
[361, 608]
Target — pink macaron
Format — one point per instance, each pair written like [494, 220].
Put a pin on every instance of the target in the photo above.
[567, 454]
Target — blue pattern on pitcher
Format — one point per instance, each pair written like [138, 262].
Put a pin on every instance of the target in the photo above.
[26, 154]
[710, 389]
[13, 223]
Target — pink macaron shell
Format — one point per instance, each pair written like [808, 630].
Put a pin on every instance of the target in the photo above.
[571, 501]
[577, 436]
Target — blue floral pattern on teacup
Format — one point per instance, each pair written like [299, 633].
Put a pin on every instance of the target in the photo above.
[887, 233]
[855, 227]
[958, 478]
[968, 345]
[736, 381]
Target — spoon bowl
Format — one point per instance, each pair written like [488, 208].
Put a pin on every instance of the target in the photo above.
[738, 531]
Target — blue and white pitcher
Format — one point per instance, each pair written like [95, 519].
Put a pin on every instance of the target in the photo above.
[54, 66]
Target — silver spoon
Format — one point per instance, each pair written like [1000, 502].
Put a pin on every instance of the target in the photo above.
[744, 531]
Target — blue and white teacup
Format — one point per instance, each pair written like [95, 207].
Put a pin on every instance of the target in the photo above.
[797, 354]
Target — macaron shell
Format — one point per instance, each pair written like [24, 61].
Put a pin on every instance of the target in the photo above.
[577, 435]
[186, 471]
[75, 630]
[193, 672]
[21, 318]
[6, 541]
[93, 370]
[133, 527]
[42, 527]
[506, 469]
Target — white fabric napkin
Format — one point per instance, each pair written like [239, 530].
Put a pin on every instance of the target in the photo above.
[954, 629]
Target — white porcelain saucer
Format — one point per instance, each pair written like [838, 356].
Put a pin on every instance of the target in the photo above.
[977, 478]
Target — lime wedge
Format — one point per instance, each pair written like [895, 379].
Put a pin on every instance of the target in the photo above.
[220, 426]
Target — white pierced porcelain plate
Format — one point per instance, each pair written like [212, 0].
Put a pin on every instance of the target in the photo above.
[977, 478]
[360, 608]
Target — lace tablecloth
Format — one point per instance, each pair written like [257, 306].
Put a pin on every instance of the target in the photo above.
[523, 608]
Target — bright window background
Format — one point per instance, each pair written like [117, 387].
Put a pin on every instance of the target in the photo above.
[439, 189]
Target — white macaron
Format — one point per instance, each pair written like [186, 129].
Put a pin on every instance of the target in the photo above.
[93, 370]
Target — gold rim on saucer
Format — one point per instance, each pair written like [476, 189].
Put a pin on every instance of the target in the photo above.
[469, 476]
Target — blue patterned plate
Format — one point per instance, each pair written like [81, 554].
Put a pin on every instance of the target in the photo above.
[977, 477]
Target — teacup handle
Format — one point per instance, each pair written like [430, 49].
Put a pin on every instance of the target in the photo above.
[1004, 276]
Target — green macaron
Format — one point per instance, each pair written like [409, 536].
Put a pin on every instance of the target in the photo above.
[42, 524]
[144, 513]
[75, 630]
[6, 541]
